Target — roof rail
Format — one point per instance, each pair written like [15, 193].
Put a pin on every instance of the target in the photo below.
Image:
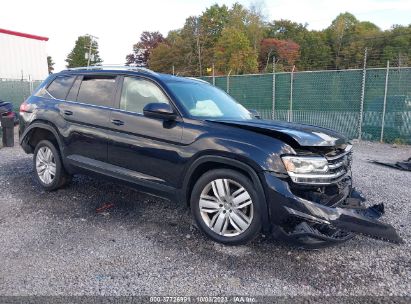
[114, 67]
[198, 79]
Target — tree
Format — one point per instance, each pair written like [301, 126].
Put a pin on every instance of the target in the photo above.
[78, 57]
[397, 45]
[285, 52]
[235, 38]
[315, 53]
[255, 25]
[143, 48]
[50, 64]
[352, 53]
[339, 32]
[234, 53]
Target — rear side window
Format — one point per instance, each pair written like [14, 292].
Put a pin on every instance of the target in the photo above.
[97, 90]
[60, 86]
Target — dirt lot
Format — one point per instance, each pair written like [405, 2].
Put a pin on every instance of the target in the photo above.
[57, 244]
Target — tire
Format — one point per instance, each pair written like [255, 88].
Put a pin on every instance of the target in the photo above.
[48, 168]
[232, 219]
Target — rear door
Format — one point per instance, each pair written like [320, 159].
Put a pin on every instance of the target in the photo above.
[86, 114]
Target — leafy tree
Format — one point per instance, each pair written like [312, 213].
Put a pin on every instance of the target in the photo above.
[339, 32]
[236, 38]
[255, 25]
[50, 64]
[143, 48]
[315, 53]
[160, 58]
[178, 52]
[78, 57]
[234, 53]
[284, 51]
[352, 53]
[397, 46]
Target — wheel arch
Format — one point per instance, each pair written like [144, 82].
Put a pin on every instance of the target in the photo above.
[37, 131]
[209, 162]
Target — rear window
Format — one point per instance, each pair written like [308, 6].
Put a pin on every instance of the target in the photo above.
[60, 86]
[97, 90]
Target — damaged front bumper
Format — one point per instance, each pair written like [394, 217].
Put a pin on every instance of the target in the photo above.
[312, 217]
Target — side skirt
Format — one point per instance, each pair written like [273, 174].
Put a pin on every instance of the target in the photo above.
[140, 181]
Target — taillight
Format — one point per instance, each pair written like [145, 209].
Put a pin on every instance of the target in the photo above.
[24, 107]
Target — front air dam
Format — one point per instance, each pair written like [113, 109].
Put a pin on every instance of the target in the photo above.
[358, 221]
[309, 224]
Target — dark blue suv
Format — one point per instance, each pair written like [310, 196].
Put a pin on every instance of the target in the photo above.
[186, 140]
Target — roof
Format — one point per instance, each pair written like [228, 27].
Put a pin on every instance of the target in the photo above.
[117, 69]
[19, 34]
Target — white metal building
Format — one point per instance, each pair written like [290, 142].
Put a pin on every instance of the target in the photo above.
[22, 56]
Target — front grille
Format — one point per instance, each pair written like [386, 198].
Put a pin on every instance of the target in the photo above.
[340, 164]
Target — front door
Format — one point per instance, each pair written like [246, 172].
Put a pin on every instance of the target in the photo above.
[145, 147]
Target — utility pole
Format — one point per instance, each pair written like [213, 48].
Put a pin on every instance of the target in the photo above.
[90, 47]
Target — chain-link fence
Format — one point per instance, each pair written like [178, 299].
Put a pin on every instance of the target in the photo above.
[372, 104]
[16, 91]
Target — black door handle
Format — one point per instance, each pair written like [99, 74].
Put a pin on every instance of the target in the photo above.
[67, 112]
[117, 122]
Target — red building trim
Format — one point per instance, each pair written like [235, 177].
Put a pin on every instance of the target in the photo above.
[13, 33]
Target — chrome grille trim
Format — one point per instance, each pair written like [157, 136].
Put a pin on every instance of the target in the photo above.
[338, 165]
[346, 151]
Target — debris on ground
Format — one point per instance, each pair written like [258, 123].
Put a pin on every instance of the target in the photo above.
[105, 207]
[401, 165]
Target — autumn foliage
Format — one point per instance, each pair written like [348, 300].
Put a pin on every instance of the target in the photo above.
[284, 51]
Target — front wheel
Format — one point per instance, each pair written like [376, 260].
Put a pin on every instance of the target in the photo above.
[225, 206]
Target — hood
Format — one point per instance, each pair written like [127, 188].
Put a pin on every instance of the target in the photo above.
[304, 135]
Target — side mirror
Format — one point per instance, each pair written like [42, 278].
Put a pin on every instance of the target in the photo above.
[255, 113]
[159, 110]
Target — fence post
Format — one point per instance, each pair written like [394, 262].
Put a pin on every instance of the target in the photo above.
[213, 76]
[273, 110]
[31, 87]
[228, 82]
[290, 117]
[364, 71]
[385, 101]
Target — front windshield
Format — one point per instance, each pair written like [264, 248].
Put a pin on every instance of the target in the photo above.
[205, 101]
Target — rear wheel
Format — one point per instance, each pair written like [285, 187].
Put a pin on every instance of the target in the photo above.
[225, 206]
[48, 167]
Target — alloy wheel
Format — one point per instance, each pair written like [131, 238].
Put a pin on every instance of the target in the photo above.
[226, 207]
[45, 165]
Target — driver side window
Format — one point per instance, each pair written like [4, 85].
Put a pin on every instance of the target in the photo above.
[138, 92]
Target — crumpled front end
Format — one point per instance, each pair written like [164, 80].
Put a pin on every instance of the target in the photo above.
[314, 213]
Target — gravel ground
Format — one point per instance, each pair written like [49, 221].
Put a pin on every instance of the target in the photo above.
[57, 244]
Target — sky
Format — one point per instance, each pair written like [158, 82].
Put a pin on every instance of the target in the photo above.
[118, 24]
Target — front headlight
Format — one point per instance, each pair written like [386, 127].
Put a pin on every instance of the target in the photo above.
[305, 164]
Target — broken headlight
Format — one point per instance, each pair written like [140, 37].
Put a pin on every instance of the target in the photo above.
[312, 170]
[305, 165]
